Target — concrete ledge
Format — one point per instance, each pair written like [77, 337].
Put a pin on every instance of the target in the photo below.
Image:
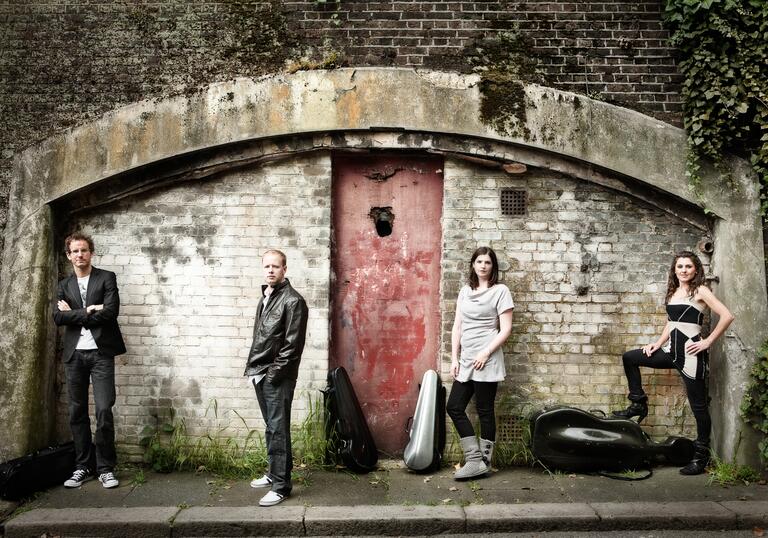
[240, 521]
[386, 520]
[7, 508]
[383, 520]
[749, 513]
[530, 517]
[104, 522]
[677, 515]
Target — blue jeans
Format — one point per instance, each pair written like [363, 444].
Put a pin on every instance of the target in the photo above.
[275, 403]
[84, 367]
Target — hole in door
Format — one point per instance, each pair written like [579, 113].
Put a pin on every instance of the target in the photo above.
[383, 218]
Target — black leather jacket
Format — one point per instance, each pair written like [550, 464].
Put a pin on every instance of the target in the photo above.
[278, 335]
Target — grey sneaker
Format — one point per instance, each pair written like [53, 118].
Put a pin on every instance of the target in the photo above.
[77, 478]
[108, 480]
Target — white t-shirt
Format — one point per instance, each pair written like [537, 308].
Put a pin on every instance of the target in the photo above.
[480, 310]
[86, 340]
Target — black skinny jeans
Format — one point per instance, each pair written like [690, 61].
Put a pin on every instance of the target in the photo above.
[485, 397]
[695, 388]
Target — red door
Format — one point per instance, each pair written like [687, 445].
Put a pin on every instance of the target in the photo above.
[385, 320]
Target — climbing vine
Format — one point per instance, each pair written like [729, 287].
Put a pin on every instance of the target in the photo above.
[754, 407]
[724, 47]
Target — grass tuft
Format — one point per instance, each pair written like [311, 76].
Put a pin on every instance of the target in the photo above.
[727, 474]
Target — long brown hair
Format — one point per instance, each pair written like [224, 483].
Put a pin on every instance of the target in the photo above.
[672, 281]
[474, 282]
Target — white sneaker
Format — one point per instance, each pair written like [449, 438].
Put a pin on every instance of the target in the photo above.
[108, 480]
[271, 499]
[263, 482]
[77, 479]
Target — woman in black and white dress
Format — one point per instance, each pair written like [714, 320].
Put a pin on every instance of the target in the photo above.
[681, 346]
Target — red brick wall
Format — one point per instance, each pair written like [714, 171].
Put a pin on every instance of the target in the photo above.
[615, 50]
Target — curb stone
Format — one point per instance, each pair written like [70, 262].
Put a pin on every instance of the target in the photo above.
[749, 513]
[530, 517]
[668, 516]
[104, 522]
[384, 520]
[240, 521]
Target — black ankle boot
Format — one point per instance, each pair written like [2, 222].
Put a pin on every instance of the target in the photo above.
[700, 459]
[635, 409]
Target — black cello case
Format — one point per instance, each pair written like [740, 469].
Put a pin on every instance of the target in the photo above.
[346, 428]
[21, 477]
[424, 451]
[574, 440]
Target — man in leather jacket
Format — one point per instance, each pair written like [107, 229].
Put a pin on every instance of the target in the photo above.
[273, 366]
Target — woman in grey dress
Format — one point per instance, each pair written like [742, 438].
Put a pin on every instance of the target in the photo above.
[483, 322]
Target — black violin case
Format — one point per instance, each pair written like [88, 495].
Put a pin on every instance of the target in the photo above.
[21, 477]
[570, 439]
[426, 437]
[349, 438]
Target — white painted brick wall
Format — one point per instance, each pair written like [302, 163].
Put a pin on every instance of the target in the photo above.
[188, 263]
[188, 266]
[566, 348]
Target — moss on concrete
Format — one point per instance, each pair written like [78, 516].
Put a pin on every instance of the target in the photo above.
[506, 63]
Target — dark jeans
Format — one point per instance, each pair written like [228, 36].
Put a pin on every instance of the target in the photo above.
[275, 403]
[696, 388]
[99, 369]
[485, 397]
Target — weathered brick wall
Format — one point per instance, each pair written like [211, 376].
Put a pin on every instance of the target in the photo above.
[64, 63]
[188, 263]
[566, 342]
[617, 50]
[587, 268]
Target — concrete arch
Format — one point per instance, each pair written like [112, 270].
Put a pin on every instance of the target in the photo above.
[552, 129]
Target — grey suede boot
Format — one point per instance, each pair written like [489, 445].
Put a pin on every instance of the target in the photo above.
[486, 447]
[473, 460]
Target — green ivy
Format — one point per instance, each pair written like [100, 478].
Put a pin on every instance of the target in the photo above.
[754, 407]
[724, 48]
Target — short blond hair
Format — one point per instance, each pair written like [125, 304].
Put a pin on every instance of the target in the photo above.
[279, 253]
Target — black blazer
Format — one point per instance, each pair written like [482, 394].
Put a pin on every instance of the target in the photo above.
[102, 289]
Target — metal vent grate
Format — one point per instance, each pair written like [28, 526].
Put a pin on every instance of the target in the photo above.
[514, 203]
[511, 428]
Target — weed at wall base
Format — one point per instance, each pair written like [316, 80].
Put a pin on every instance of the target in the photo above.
[754, 406]
[168, 447]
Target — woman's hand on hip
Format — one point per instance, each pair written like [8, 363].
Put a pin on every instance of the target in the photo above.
[694, 348]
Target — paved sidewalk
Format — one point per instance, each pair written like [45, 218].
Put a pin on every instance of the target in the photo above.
[391, 501]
